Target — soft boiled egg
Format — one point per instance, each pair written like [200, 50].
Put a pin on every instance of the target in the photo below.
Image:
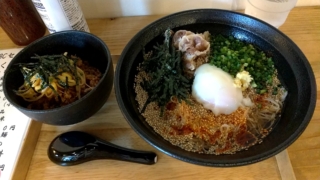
[215, 90]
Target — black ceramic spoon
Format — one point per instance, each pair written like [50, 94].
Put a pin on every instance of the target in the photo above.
[75, 147]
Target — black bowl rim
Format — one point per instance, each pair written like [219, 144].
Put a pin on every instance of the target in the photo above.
[66, 32]
[245, 161]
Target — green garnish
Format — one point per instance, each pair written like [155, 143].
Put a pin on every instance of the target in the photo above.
[48, 67]
[233, 56]
[164, 69]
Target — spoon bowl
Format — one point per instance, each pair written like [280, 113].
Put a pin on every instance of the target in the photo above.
[76, 147]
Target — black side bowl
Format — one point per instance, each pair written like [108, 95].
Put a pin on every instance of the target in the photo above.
[293, 68]
[86, 46]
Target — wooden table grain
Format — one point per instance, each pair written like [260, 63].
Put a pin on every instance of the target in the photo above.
[302, 26]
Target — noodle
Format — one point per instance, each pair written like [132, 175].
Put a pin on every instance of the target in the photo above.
[32, 93]
[190, 126]
[62, 86]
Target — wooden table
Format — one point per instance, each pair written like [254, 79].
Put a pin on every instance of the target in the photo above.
[302, 26]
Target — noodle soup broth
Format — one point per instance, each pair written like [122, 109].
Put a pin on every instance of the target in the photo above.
[192, 127]
[294, 73]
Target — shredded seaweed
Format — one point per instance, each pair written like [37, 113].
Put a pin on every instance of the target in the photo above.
[48, 67]
[165, 72]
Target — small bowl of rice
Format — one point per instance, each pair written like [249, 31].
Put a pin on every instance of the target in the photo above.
[61, 79]
[215, 88]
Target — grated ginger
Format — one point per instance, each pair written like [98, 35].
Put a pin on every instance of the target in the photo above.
[243, 80]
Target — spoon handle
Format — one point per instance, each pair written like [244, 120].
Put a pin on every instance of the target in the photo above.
[112, 151]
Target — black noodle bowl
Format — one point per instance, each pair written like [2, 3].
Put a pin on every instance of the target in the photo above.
[293, 68]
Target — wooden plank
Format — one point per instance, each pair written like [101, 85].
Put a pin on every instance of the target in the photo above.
[27, 150]
[302, 26]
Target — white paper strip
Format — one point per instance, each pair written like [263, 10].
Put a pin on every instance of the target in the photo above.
[13, 124]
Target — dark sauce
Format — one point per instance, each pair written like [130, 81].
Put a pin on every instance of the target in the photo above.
[21, 22]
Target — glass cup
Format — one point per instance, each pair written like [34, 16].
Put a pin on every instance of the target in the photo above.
[274, 12]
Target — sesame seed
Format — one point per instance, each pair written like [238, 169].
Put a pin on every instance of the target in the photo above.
[194, 128]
